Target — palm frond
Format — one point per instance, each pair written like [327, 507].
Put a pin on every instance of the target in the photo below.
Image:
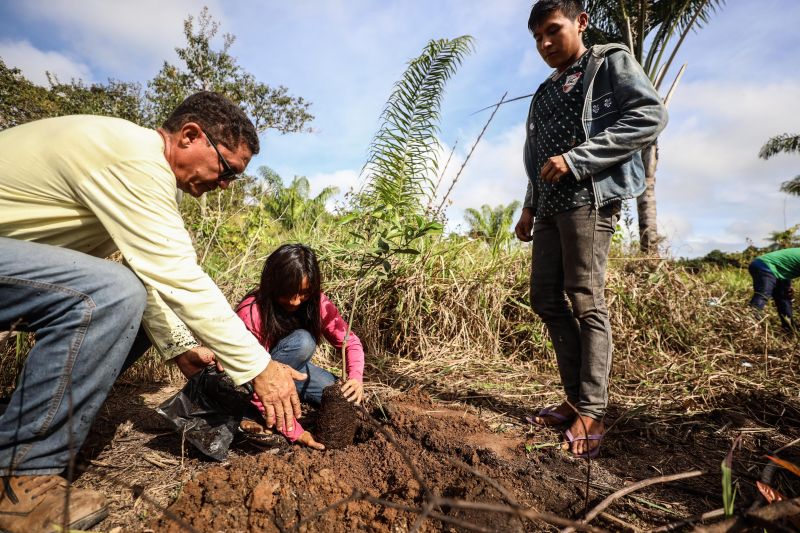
[783, 143]
[491, 223]
[648, 22]
[792, 186]
[403, 155]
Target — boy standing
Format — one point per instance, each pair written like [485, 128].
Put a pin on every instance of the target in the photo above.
[586, 126]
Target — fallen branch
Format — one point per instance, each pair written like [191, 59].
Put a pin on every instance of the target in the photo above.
[530, 514]
[602, 506]
[709, 515]
[625, 526]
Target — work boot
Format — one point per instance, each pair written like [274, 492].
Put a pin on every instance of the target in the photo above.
[33, 504]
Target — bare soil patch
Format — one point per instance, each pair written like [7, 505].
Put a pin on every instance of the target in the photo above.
[461, 451]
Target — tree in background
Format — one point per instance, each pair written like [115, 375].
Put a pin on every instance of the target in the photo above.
[206, 69]
[388, 215]
[203, 69]
[115, 99]
[22, 101]
[291, 205]
[784, 143]
[649, 28]
[492, 224]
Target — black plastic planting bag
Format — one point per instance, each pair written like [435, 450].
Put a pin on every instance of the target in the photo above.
[208, 410]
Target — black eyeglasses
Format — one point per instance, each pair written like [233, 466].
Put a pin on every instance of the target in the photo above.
[227, 174]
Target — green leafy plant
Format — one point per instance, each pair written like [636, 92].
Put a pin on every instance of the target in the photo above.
[292, 205]
[403, 156]
[728, 489]
[388, 217]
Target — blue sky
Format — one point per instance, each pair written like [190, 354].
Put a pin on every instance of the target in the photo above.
[742, 85]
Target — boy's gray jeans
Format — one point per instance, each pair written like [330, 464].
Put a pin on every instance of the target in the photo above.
[570, 253]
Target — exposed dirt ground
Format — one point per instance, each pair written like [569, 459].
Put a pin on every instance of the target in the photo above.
[143, 467]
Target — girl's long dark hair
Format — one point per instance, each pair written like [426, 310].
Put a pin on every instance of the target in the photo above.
[283, 275]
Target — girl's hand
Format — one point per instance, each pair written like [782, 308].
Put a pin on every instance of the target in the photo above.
[353, 391]
[308, 439]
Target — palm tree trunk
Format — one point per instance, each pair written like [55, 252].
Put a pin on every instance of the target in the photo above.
[646, 203]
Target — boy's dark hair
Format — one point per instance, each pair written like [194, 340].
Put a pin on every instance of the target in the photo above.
[283, 275]
[221, 118]
[542, 9]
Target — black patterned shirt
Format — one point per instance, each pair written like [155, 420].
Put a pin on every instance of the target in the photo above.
[557, 122]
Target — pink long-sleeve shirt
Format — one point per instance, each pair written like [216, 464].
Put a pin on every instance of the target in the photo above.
[333, 328]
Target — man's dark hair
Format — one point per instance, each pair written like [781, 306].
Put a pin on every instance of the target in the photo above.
[225, 121]
[543, 8]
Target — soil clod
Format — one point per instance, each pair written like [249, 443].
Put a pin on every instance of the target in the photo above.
[338, 419]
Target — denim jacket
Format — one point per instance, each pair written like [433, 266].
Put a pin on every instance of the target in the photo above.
[622, 113]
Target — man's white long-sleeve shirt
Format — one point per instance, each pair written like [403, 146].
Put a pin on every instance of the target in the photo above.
[100, 184]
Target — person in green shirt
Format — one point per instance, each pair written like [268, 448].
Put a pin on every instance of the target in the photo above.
[772, 275]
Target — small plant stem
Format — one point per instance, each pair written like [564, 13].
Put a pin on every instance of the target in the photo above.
[716, 513]
[460, 170]
[349, 330]
[441, 174]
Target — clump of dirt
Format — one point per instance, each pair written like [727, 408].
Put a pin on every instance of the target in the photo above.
[338, 419]
[281, 490]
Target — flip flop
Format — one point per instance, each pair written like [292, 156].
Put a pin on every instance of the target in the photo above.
[591, 454]
[549, 412]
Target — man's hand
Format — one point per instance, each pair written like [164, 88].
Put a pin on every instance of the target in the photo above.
[196, 359]
[554, 168]
[524, 225]
[276, 390]
[308, 439]
[353, 391]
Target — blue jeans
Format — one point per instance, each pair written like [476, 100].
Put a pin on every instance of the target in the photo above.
[86, 314]
[766, 285]
[296, 350]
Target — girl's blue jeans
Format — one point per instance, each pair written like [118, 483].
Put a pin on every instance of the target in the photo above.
[296, 350]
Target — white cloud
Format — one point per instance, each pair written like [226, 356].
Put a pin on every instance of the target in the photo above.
[34, 63]
[709, 171]
[493, 175]
[126, 39]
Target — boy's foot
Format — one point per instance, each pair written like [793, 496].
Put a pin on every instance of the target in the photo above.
[553, 416]
[35, 503]
[584, 437]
